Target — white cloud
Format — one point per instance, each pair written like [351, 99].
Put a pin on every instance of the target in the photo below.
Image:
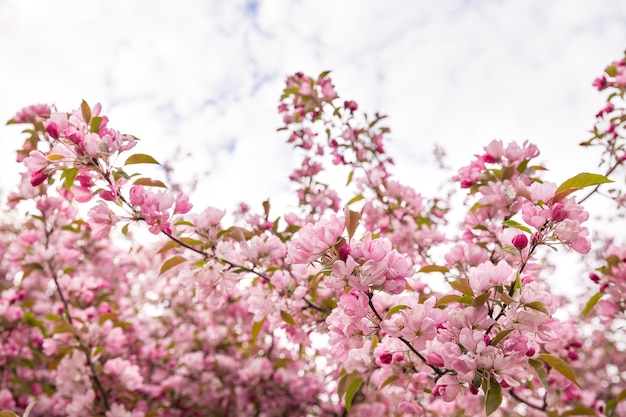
[206, 76]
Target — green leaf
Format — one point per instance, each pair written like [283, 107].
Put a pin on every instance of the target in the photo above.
[7, 413]
[343, 383]
[462, 285]
[53, 317]
[355, 199]
[493, 399]
[591, 303]
[107, 316]
[323, 74]
[516, 225]
[610, 405]
[55, 157]
[579, 411]
[70, 175]
[434, 268]
[539, 370]
[86, 111]
[480, 300]
[287, 318]
[63, 327]
[395, 309]
[94, 126]
[350, 175]
[522, 166]
[353, 388]
[539, 306]
[170, 244]
[500, 336]
[583, 180]
[171, 263]
[611, 70]
[562, 194]
[447, 299]
[560, 366]
[389, 381]
[352, 222]
[140, 158]
[149, 182]
[256, 329]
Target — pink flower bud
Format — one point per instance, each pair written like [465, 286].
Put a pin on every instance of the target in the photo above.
[434, 359]
[38, 178]
[558, 212]
[344, 250]
[52, 129]
[107, 195]
[137, 195]
[350, 105]
[594, 277]
[385, 358]
[520, 241]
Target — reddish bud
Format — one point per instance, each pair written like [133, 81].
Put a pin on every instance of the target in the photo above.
[343, 251]
[434, 359]
[107, 195]
[52, 129]
[38, 178]
[350, 105]
[558, 212]
[520, 241]
[385, 358]
[571, 355]
[594, 277]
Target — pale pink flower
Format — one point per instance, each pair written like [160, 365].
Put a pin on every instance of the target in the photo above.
[127, 373]
[314, 239]
[100, 220]
[489, 275]
[36, 161]
[118, 410]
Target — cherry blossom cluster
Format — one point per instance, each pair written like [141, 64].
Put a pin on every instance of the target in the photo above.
[361, 302]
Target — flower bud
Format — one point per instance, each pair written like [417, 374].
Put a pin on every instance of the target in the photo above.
[343, 251]
[385, 358]
[558, 212]
[594, 277]
[520, 241]
[434, 359]
[37, 178]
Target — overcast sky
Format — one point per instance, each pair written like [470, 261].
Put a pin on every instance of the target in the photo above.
[206, 76]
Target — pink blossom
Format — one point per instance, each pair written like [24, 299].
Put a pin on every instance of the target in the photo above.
[127, 373]
[314, 239]
[182, 204]
[101, 219]
[488, 275]
[447, 387]
[36, 161]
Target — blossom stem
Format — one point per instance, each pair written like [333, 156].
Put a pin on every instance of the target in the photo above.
[514, 395]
